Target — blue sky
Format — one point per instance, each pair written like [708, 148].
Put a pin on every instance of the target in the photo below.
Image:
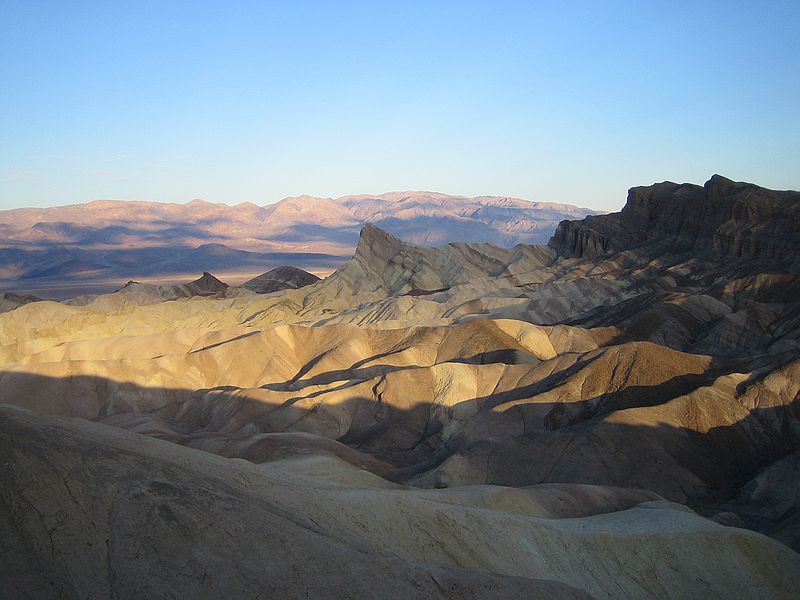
[238, 101]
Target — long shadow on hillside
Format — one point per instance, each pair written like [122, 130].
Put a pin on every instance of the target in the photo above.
[703, 467]
[507, 356]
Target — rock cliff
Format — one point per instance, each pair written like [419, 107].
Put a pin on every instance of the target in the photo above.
[722, 218]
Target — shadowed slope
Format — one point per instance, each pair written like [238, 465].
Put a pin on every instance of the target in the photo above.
[148, 518]
[521, 409]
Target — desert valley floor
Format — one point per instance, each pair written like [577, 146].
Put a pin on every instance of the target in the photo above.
[613, 415]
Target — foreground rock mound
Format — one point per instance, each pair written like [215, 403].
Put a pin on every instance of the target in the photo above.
[137, 517]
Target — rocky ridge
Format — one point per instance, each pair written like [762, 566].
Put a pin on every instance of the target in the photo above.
[722, 218]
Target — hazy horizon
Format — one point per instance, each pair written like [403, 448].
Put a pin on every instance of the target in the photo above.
[275, 201]
[259, 102]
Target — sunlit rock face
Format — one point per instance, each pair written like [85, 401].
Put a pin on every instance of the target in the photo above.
[614, 415]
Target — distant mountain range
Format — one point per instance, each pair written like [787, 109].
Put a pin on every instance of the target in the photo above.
[60, 250]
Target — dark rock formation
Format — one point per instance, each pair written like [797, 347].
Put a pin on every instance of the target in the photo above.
[282, 278]
[722, 218]
[10, 301]
[206, 285]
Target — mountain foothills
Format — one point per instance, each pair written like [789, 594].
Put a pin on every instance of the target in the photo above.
[613, 415]
[63, 251]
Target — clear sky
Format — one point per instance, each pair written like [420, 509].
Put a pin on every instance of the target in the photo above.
[254, 101]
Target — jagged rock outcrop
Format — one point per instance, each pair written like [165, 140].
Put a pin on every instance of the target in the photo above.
[384, 262]
[722, 218]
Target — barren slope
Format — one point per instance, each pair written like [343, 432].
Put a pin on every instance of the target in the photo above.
[459, 419]
[144, 518]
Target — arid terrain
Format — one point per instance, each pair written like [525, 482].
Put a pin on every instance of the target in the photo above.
[615, 414]
[64, 251]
